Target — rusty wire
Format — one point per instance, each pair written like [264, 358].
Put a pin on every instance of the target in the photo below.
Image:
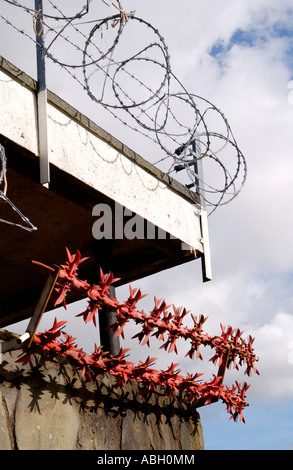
[122, 62]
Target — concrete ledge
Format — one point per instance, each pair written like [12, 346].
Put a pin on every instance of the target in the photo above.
[91, 126]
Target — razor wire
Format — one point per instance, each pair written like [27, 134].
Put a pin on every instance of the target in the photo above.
[122, 62]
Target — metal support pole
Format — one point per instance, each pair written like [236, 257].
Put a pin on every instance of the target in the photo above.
[110, 342]
[103, 259]
[42, 96]
[206, 258]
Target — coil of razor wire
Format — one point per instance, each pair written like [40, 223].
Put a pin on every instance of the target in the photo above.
[122, 62]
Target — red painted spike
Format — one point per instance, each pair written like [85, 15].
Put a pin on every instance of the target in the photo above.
[57, 325]
[132, 291]
[69, 255]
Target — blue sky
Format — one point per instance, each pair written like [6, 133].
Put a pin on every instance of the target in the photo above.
[239, 55]
[256, 37]
[268, 427]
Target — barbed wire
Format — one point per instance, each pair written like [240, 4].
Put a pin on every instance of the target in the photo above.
[122, 62]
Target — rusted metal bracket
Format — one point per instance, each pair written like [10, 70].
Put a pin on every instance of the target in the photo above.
[13, 341]
[42, 304]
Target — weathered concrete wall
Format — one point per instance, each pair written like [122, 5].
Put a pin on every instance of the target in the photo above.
[52, 408]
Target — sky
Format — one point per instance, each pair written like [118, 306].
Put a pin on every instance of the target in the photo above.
[239, 55]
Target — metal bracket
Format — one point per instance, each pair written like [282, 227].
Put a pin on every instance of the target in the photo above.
[206, 257]
[42, 97]
[42, 304]
[13, 341]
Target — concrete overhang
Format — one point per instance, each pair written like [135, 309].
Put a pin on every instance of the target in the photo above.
[88, 167]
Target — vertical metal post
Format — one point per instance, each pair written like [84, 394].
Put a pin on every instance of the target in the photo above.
[103, 258]
[42, 96]
[206, 258]
[110, 342]
[198, 177]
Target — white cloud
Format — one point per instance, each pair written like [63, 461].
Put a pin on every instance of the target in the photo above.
[251, 89]
[274, 346]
